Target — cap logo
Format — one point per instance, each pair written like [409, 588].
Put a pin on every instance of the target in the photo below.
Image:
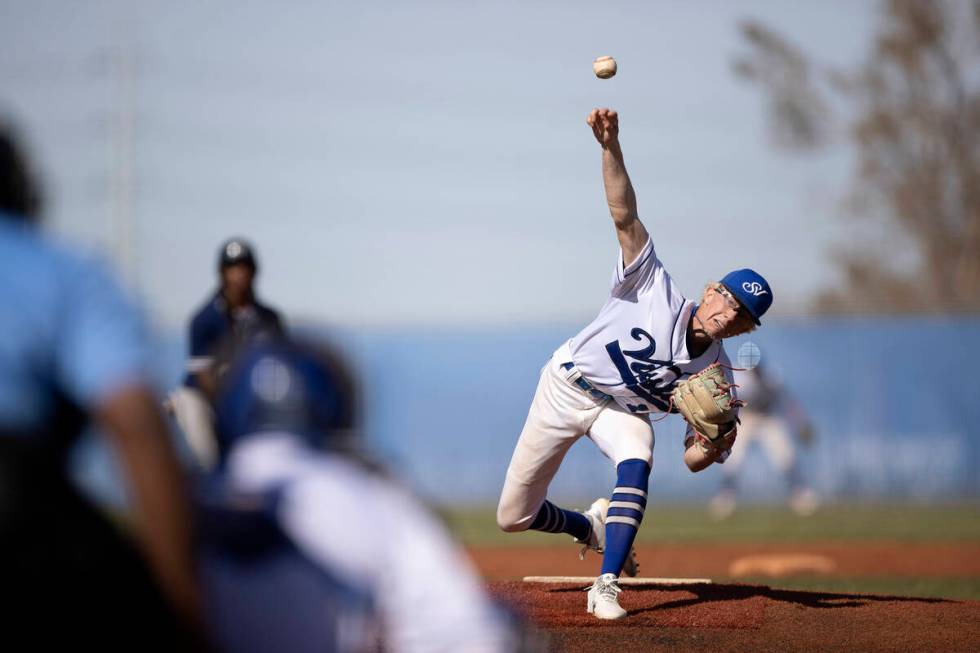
[754, 288]
[234, 250]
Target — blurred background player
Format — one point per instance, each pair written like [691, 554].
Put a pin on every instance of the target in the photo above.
[771, 419]
[231, 318]
[73, 349]
[307, 548]
[606, 380]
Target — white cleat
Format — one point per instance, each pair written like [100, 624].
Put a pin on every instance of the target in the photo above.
[596, 514]
[604, 598]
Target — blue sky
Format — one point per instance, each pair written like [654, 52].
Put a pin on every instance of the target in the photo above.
[405, 164]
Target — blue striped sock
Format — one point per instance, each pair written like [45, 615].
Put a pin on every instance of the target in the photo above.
[629, 500]
[552, 519]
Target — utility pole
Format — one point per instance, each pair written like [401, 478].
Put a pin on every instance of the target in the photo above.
[122, 213]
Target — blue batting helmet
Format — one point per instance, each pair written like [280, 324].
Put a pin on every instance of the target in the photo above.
[284, 386]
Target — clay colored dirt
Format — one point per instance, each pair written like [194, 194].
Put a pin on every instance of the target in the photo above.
[923, 559]
[732, 616]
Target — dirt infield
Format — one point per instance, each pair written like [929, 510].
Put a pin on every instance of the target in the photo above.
[729, 616]
[925, 559]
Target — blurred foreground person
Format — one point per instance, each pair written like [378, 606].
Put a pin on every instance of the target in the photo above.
[305, 547]
[72, 348]
[773, 420]
[231, 318]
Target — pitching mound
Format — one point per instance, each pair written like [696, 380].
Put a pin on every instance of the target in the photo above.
[720, 617]
[778, 565]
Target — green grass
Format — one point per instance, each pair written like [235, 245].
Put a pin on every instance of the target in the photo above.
[907, 523]
[841, 523]
[947, 588]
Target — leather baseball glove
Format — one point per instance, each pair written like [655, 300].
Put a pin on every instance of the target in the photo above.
[705, 400]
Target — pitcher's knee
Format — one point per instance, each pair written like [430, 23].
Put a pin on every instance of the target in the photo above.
[511, 522]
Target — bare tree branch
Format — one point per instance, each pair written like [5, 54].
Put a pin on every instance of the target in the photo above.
[914, 117]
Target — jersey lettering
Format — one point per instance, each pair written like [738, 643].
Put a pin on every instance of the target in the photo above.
[648, 378]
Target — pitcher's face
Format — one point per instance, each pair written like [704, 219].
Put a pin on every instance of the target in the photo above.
[721, 315]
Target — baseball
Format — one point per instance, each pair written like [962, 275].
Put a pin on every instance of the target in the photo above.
[604, 67]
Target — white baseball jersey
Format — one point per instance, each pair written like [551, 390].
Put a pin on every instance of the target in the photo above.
[377, 537]
[636, 348]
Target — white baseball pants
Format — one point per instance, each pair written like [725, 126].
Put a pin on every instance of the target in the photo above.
[560, 414]
[772, 432]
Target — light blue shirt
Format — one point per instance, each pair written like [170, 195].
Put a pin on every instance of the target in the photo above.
[66, 327]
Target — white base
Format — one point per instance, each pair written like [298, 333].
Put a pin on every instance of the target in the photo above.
[588, 580]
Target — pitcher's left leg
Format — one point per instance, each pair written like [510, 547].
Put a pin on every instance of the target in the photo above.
[629, 501]
[626, 439]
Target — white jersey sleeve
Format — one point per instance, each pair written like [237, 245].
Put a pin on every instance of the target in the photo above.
[638, 275]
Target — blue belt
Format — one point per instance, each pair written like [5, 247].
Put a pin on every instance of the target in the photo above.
[590, 389]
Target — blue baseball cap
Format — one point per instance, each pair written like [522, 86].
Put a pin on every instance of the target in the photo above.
[751, 290]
